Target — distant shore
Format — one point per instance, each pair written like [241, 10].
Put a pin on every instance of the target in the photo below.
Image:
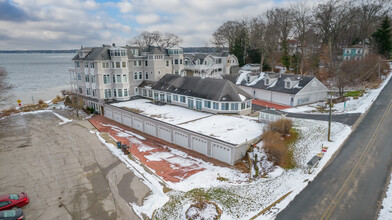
[39, 51]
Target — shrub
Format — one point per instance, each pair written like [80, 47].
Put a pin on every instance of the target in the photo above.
[41, 102]
[281, 126]
[277, 152]
[67, 101]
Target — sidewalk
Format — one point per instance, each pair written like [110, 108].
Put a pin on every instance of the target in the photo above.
[169, 161]
[269, 104]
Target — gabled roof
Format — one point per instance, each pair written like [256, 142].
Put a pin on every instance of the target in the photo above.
[205, 88]
[96, 53]
[279, 86]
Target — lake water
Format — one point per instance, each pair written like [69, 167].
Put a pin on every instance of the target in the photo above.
[36, 76]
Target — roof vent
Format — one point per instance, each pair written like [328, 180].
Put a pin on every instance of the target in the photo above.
[113, 44]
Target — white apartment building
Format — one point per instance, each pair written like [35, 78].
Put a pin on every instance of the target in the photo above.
[113, 73]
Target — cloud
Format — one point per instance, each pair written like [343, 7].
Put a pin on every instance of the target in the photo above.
[10, 12]
[147, 18]
[125, 6]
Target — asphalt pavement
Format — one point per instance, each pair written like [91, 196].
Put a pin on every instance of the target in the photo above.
[352, 185]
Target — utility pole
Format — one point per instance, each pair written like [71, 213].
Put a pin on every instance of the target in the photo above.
[379, 67]
[330, 116]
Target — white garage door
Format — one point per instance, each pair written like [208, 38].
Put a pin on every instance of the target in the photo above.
[199, 145]
[281, 98]
[164, 134]
[127, 121]
[181, 139]
[150, 129]
[138, 124]
[221, 153]
[117, 116]
[108, 113]
[263, 94]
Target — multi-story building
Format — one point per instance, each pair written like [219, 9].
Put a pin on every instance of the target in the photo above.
[209, 65]
[113, 73]
[355, 52]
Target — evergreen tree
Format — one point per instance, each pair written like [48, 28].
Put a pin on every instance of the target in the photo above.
[238, 48]
[383, 38]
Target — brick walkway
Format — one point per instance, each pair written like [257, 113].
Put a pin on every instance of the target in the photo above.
[269, 104]
[169, 161]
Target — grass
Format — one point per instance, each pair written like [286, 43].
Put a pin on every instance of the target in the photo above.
[357, 93]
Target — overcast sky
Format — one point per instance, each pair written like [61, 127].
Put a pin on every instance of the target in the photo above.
[68, 24]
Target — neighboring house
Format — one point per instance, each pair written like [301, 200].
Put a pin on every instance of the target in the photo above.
[113, 73]
[251, 67]
[283, 89]
[204, 94]
[355, 52]
[209, 65]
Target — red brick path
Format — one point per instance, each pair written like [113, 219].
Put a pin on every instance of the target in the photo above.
[173, 172]
[269, 104]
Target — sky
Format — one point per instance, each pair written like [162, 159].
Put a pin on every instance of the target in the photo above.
[69, 24]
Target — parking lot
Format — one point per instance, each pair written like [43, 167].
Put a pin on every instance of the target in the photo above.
[66, 171]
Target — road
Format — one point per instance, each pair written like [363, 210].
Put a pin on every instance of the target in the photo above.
[346, 118]
[352, 185]
[67, 172]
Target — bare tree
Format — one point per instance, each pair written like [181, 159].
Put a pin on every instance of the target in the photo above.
[156, 38]
[4, 85]
[226, 34]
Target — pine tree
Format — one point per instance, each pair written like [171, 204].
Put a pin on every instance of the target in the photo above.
[383, 38]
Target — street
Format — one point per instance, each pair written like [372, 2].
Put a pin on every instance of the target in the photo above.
[352, 185]
[66, 171]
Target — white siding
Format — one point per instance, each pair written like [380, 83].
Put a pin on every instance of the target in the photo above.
[281, 98]
[164, 134]
[127, 120]
[150, 129]
[137, 124]
[199, 145]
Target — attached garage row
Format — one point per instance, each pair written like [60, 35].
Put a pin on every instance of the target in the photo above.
[137, 124]
[164, 134]
[221, 152]
[199, 145]
[181, 139]
[150, 129]
[108, 113]
[127, 120]
[117, 116]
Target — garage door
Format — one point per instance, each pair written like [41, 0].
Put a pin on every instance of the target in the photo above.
[127, 120]
[221, 153]
[199, 145]
[150, 129]
[181, 139]
[117, 116]
[138, 124]
[164, 134]
[108, 113]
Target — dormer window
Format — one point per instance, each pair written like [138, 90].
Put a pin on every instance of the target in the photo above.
[267, 82]
[118, 53]
[288, 85]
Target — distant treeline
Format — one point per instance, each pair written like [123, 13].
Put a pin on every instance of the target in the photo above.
[204, 49]
[39, 51]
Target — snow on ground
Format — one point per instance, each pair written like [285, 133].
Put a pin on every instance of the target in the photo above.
[64, 119]
[235, 130]
[167, 113]
[386, 210]
[359, 105]
[232, 129]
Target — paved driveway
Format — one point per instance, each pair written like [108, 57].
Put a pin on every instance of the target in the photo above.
[67, 172]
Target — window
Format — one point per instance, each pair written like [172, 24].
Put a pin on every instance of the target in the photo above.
[135, 75]
[168, 98]
[92, 79]
[225, 106]
[242, 105]
[140, 75]
[162, 97]
[87, 78]
[150, 93]
[182, 99]
[155, 96]
[92, 65]
[167, 63]
[198, 104]
[125, 92]
[124, 64]
[248, 104]
[146, 75]
[88, 91]
[137, 63]
[118, 79]
[106, 79]
[347, 51]
[144, 92]
[106, 94]
[79, 76]
[146, 63]
[114, 92]
[175, 98]
[359, 51]
[114, 78]
[234, 106]
[159, 72]
[180, 61]
[176, 72]
[94, 92]
[113, 65]
[287, 85]
[110, 93]
[215, 105]
[80, 90]
[176, 61]
[267, 81]
[124, 79]
[4, 203]
[140, 63]
[77, 64]
[118, 65]
[86, 65]
[190, 103]
[207, 104]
